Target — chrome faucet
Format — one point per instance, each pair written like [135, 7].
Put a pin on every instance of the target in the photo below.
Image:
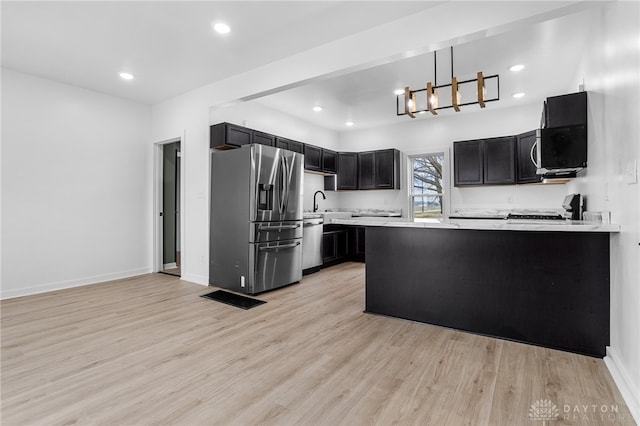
[315, 206]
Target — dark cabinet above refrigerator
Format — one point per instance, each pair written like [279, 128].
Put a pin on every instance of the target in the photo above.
[321, 160]
[365, 170]
[289, 144]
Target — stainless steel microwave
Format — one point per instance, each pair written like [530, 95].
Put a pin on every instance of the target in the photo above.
[561, 151]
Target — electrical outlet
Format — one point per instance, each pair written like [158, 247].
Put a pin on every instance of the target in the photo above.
[242, 281]
[631, 172]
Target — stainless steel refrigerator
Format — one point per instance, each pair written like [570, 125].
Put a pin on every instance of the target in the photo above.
[256, 218]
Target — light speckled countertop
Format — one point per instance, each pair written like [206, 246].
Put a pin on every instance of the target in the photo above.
[487, 224]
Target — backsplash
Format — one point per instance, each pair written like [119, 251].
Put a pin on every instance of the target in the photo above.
[510, 197]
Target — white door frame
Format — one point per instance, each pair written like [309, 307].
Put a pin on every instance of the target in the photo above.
[158, 156]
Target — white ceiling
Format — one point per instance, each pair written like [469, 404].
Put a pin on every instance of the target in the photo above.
[551, 52]
[171, 49]
[169, 46]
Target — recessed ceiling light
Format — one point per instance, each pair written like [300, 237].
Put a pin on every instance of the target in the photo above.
[317, 108]
[518, 95]
[516, 68]
[221, 28]
[126, 76]
[349, 123]
[398, 92]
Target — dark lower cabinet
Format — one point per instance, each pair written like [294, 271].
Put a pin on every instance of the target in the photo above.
[525, 286]
[341, 243]
[356, 243]
[526, 168]
[335, 246]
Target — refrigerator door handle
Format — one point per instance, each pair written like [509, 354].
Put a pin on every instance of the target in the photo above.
[287, 184]
[283, 246]
[278, 227]
[283, 184]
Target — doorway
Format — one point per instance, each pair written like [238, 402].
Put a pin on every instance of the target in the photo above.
[169, 206]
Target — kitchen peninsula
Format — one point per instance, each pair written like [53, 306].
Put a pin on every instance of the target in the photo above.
[543, 284]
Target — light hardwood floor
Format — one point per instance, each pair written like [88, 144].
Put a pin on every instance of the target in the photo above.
[148, 350]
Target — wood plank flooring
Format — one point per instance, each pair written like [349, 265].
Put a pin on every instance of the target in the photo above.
[148, 351]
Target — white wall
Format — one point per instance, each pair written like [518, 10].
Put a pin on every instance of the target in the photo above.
[425, 134]
[187, 116]
[611, 74]
[259, 117]
[76, 191]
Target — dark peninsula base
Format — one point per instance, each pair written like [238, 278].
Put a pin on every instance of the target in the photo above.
[545, 288]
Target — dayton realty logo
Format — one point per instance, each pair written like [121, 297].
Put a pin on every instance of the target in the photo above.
[544, 410]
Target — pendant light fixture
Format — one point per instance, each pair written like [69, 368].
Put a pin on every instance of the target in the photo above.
[432, 101]
[455, 90]
[432, 91]
[482, 90]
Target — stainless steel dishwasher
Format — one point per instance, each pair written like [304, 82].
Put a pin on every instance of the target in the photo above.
[311, 243]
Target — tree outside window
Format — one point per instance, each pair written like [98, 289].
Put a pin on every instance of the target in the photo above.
[427, 195]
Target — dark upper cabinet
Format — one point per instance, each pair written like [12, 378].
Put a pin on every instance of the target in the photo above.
[289, 144]
[499, 161]
[320, 159]
[566, 110]
[526, 168]
[468, 163]
[485, 161]
[282, 143]
[347, 177]
[263, 138]
[329, 161]
[312, 158]
[366, 170]
[379, 169]
[387, 169]
[229, 135]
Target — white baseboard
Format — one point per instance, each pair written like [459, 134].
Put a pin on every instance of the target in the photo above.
[43, 288]
[622, 378]
[194, 278]
[171, 265]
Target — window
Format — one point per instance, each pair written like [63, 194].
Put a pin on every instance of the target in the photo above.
[427, 194]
